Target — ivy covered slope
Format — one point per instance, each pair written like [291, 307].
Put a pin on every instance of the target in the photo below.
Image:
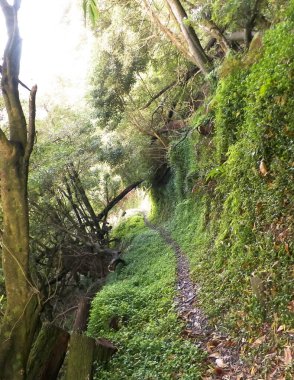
[234, 190]
[135, 310]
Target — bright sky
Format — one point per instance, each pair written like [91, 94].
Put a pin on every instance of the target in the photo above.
[56, 48]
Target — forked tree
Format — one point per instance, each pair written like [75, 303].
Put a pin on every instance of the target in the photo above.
[23, 304]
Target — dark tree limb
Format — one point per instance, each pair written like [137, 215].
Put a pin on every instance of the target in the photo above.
[118, 198]
[47, 354]
[82, 315]
[217, 33]
[74, 176]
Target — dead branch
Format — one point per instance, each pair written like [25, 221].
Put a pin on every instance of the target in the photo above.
[118, 198]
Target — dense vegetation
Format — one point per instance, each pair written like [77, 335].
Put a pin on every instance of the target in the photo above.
[229, 197]
[140, 300]
[192, 101]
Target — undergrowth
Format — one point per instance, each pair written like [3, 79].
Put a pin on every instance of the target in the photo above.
[235, 191]
[140, 299]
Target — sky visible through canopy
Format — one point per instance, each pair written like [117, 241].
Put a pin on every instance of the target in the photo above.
[56, 48]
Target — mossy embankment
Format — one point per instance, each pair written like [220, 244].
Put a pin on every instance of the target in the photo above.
[233, 193]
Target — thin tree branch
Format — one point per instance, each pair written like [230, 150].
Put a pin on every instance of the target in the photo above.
[31, 126]
[185, 78]
[171, 36]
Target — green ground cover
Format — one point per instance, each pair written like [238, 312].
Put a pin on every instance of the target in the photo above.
[141, 298]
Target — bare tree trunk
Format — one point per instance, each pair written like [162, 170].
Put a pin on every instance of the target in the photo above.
[21, 314]
[174, 39]
[215, 32]
[187, 42]
[80, 357]
[196, 51]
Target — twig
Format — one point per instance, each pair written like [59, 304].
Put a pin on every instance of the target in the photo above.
[19, 81]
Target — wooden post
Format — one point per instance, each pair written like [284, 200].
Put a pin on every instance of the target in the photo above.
[80, 358]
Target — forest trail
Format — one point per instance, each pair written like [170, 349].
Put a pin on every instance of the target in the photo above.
[223, 360]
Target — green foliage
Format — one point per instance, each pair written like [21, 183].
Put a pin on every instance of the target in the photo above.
[129, 228]
[91, 11]
[141, 297]
[182, 158]
[112, 81]
[239, 221]
[235, 14]
[230, 101]
[117, 65]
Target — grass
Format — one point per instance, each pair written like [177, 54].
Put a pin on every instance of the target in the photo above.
[141, 298]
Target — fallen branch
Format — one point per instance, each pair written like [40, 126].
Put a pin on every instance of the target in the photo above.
[118, 198]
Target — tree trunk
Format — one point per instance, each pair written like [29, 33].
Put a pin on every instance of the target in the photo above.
[82, 315]
[197, 52]
[47, 354]
[118, 198]
[18, 326]
[187, 41]
[22, 310]
[84, 351]
[175, 40]
[215, 32]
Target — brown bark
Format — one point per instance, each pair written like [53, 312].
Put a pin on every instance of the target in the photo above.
[47, 354]
[82, 315]
[183, 80]
[21, 315]
[195, 49]
[175, 40]
[76, 181]
[118, 198]
[215, 32]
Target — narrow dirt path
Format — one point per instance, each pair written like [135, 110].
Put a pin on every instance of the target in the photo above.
[223, 355]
